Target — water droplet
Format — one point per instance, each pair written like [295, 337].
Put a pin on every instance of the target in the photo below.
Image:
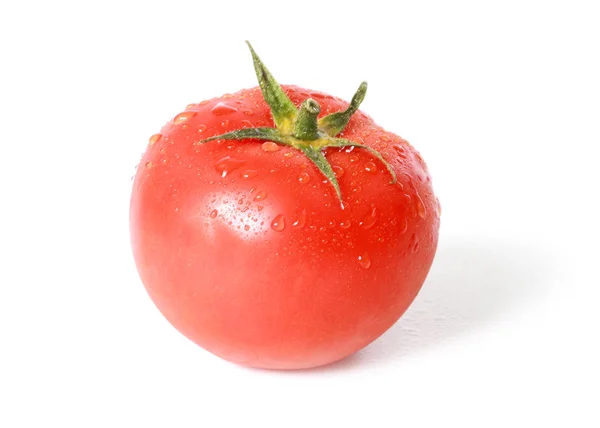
[278, 223]
[300, 221]
[349, 149]
[369, 220]
[303, 177]
[409, 204]
[203, 103]
[260, 196]
[247, 124]
[221, 109]
[225, 123]
[149, 165]
[353, 159]
[201, 128]
[403, 225]
[364, 261]
[415, 247]
[338, 171]
[345, 224]
[400, 151]
[288, 154]
[247, 227]
[331, 224]
[248, 112]
[213, 214]
[249, 173]
[154, 139]
[421, 210]
[438, 206]
[182, 117]
[385, 138]
[227, 164]
[270, 146]
[370, 167]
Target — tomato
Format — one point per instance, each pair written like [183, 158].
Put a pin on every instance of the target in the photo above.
[292, 243]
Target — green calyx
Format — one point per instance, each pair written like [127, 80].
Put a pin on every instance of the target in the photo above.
[301, 128]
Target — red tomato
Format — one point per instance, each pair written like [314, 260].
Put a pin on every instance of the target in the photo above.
[246, 248]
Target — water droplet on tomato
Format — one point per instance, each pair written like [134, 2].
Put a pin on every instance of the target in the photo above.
[248, 112]
[182, 117]
[400, 151]
[370, 167]
[364, 261]
[154, 139]
[201, 128]
[353, 159]
[278, 223]
[338, 171]
[190, 106]
[149, 165]
[213, 214]
[221, 109]
[438, 206]
[303, 177]
[345, 224]
[349, 149]
[203, 103]
[260, 196]
[247, 227]
[370, 219]
[415, 247]
[403, 225]
[227, 164]
[247, 124]
[300, 221]
[421, 210]
[249, 173]
[225, 123]
[270, 146]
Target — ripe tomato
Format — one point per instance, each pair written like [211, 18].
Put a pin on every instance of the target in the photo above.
[249, 247]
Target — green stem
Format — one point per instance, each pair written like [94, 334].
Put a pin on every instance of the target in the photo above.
[301, 129]
[305, 126]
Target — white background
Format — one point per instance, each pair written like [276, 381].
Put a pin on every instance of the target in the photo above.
[501, 98]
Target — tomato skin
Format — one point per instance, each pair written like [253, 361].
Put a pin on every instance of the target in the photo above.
[246, 250]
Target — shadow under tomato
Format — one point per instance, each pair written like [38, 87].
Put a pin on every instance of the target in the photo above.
[469, 285]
